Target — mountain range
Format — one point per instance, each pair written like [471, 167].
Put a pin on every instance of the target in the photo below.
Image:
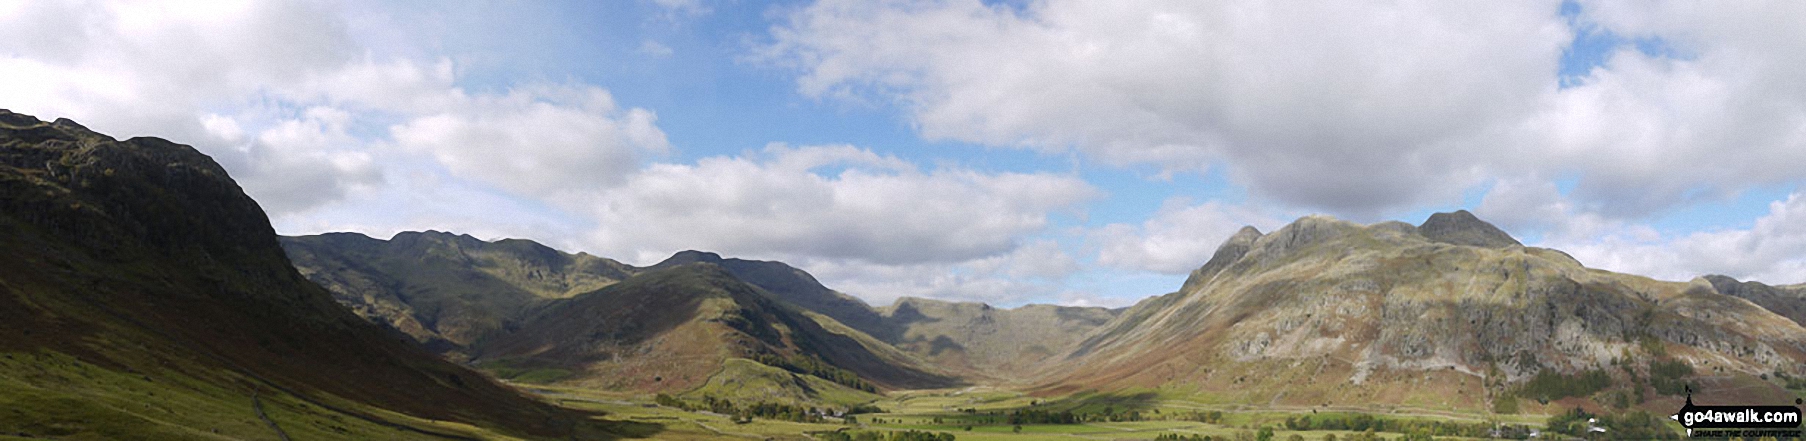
[1452, 314]
[145, 295]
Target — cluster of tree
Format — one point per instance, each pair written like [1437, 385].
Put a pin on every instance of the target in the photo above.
[1364, 422]
[1192, 437]
[1548, 385]
[745, 414]
[864, 408]
[908, 435]
[1789, 381]
[1668, 377]
[1207, 417]
[1041, 416]
[809, 365]
[1633, 425]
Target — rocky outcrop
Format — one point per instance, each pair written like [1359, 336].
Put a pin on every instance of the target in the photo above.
[1388, 308]
[1230, 251]
[1787, 300]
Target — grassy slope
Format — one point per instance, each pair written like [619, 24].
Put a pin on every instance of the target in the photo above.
[672, 329]
[142, 295]
[444, 289]
[747, 381]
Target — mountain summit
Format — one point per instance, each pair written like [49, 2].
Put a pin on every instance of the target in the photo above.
[1462, 228]
[1328, 312]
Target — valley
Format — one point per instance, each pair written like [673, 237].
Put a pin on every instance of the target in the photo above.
[1451, 328]
[146, 297]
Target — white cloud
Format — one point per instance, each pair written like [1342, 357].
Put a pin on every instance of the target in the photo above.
[173, 69]
[275, 91]
[1350, 107]
[1033, 272]
[1177, 239]
[835, 202]
[540, 141]
[1772, 250]
[300, 163]
[654, 48]
[1354, 109]
[675, 9]
[1648, 133]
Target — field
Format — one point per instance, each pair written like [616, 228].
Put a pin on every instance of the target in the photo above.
[983, 413]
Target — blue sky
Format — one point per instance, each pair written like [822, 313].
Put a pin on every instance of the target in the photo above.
[1039, 151]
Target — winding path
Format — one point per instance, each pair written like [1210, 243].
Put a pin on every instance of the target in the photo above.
[257, 405]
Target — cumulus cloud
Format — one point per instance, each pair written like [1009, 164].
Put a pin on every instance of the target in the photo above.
[167, 68]
[138, 67]
[1716, 109]
[838, 202]
[1773, 250]
[1031, 272]
[537, 141]
[1347, 107]
[1177, 239]
[1354, 109]
[275, 91]
[297, 163]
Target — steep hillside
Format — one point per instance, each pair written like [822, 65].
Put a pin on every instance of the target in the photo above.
[144, 296]
[445, 290]
[1448, 315]
[981, 342]
[672, 328]
[797, 287]
[1787, 300]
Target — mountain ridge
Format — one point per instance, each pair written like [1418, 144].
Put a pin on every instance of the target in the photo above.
[142, 261]
[1367, 305]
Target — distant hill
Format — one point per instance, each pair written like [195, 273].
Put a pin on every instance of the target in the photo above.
[797, 287]
[144, 296]
[445, 290]
[1787, 300]
[1451, 315]
[673, 327]
[453, 291]
[993, 344]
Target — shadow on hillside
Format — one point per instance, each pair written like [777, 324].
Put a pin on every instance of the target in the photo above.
[609, 430]
[1118, 403]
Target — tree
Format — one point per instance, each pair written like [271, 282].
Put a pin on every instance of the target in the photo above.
[1265, 434]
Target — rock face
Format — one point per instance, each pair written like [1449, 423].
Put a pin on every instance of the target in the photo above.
[1462, 228]
[143, 258]
[1787, 300]
[1451, 313]
[990, 344]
